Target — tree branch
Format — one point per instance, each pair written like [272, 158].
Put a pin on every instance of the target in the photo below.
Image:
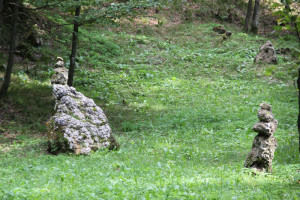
[42, 7]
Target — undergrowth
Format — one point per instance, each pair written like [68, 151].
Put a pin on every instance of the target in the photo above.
[181, 102]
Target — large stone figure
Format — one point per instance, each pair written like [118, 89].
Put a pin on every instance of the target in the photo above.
[78, 124]
[267, 54]
[264, 144]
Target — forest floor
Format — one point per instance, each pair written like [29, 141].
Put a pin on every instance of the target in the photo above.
[181, 103]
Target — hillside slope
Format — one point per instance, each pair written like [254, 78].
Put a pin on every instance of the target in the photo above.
[182, 103]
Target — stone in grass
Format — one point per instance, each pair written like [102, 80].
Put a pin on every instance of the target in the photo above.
[265, 128]
[78, 125]
[265, 115]
[264, 144]
[262, 154]
[267, 54]
[265, 106]
[222, 30]
[61, 73]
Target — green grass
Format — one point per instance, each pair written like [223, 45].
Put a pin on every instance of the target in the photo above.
[181, 104]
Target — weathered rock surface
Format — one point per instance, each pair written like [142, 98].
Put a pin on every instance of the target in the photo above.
[61, 73]
[265, 106]
[262, 153]
[221, 30]
[267, 54]
[265, 115]
[265, 128]
[264, 144]
[78, 125]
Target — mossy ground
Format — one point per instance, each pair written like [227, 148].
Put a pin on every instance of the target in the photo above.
[181, 103]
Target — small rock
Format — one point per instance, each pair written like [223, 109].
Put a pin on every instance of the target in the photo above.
[228, 33]
[265, 115]
[61, 73]
[60, 62]
[265, 128]
[265, 106]
[267, 54]
[219, 29]
[222, 30]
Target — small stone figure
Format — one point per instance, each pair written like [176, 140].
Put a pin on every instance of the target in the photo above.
[264, 144]
[61, 73]
[267, 54]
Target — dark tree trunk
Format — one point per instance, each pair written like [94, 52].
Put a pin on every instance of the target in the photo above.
[293, 21]
[248, 15]
[298, 122]
[254, 27]
[12, 50]
[1, 21]
[74, 46]
[297, 32]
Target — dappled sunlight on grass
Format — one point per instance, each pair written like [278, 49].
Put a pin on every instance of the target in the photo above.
[181, 104]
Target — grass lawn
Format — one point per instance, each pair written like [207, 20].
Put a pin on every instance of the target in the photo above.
[180, 102]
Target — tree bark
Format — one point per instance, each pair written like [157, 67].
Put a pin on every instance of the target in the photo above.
[248, 15]
[74, 46]
[10, 61]
[293, 20]
[298, 122]
[254, 27]
[1, 21]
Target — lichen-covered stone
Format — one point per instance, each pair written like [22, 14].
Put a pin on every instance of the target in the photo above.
[219, 29]
[60, 62]
[264, 144]
[265, 128]
[222, 30]
[78, 124]
[265, 115]
[267, 54]
[265, 106]
[61, 73]
[262, 153]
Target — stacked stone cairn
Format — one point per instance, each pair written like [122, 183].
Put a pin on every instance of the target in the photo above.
[61, 73]
[264, 144]
[78, 124]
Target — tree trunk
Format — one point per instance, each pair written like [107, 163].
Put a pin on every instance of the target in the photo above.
[74, 46]
[254, 27]
[1, 21]
[12, 50]
[297, 32]
[293, 20]
[248, 15]
[298, 122]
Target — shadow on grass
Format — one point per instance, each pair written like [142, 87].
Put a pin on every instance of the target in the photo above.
[26, 108]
